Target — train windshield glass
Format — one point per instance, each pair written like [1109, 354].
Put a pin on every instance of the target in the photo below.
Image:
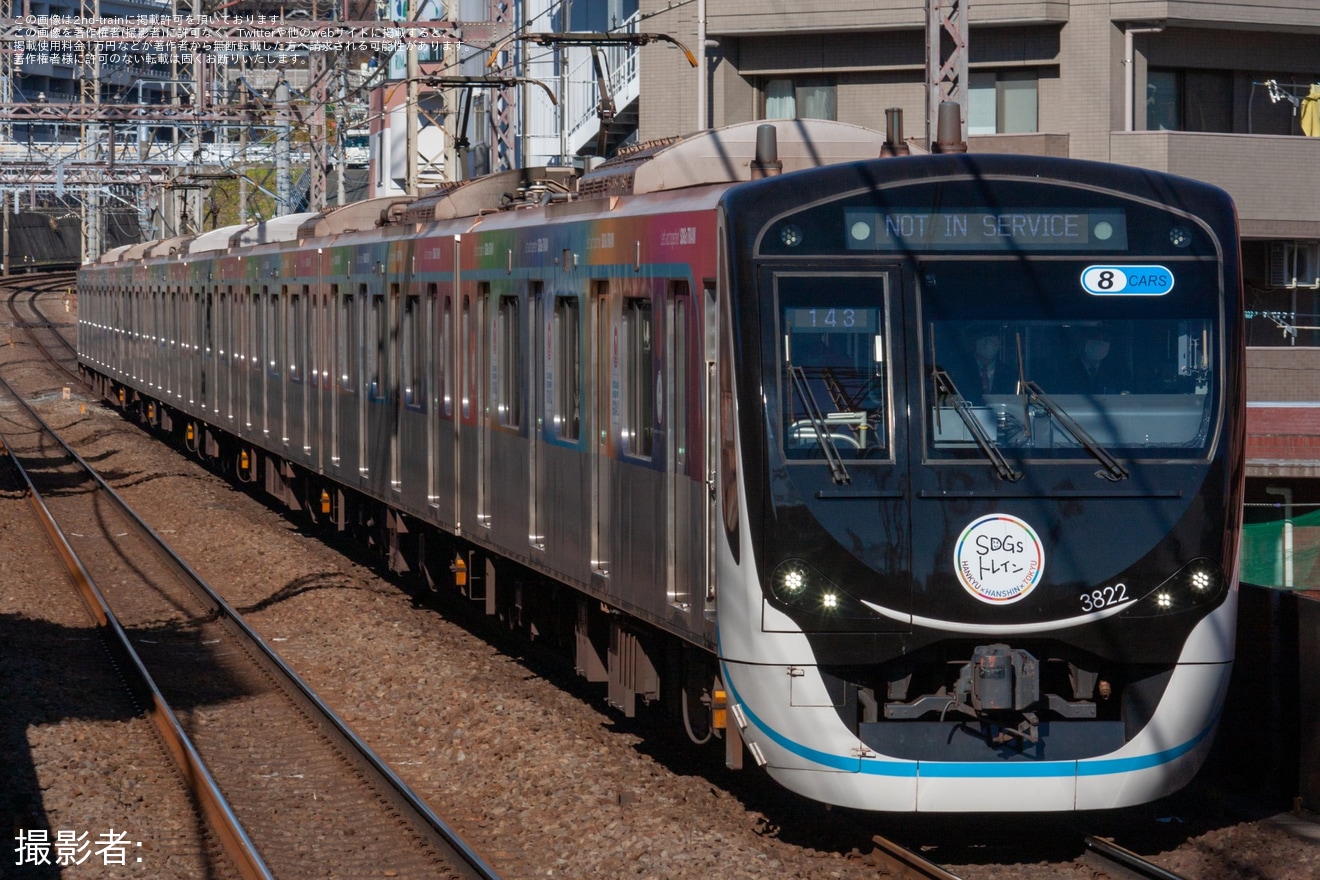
[1040, 368]
[832, 373]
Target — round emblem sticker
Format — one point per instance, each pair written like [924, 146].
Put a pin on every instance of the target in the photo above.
[999, 559]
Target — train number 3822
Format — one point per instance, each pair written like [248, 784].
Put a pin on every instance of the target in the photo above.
[1104, 597]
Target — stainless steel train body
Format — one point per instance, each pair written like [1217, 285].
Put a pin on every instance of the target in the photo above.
[732, 418]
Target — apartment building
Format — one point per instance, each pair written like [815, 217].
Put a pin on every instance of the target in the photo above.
[1226, 91]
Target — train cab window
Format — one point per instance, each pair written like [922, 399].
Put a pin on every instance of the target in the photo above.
[509, 369]
[566, 379]
[639, 381]
[833, 382]
[1058, 375]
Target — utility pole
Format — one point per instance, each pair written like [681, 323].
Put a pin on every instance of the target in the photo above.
[410, 110]
[283, 186]
[318, 71]
[946, 62]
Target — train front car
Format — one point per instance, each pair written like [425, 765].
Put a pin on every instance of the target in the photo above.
[980, 475]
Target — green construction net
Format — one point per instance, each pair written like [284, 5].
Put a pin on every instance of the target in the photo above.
[1265, 559]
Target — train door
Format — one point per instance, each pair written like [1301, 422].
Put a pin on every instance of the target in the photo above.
[483, 344]
[683, 497]
[541, 371]
[223, 355]
[302, 333]
[316, 375]
[446, 447]
[454, 331]
[252, 350]
[336, 364]
[432, 372]
[398, 307]
[710, 422]
[210, 386]
[604, 351]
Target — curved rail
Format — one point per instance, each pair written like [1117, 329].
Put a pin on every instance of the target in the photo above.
[46, 285]
[462, 856]
[215, 808]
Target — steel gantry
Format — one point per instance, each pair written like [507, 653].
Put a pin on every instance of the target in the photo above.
[197, 47]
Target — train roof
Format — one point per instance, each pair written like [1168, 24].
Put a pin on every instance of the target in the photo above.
[353, 217]
[276, 229]
[701, 159]
[216, 239]
[115, 254]
[522, 186]
[728, 155]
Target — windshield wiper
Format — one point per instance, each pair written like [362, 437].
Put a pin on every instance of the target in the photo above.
[945, 384]
[1034, 393]
[817, 418]
[1113, 470]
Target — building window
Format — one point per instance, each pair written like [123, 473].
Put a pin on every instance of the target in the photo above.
[1285, 313]
[1283, 318]
[1190, 100]
[1002, 102]
[803, 97]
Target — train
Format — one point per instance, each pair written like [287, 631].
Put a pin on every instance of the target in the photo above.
[794, 436]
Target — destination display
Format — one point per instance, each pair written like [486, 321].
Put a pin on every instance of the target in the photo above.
[976, 229]
[833, 319]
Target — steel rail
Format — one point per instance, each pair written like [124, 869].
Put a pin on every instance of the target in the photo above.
[220, 816]
[31, 327]
[1113, 853]
[465, 859]
[904, 863]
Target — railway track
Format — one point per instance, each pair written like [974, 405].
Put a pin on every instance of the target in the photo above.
[901, 863]
[1119, 863]
[25, 316]
[317, 797]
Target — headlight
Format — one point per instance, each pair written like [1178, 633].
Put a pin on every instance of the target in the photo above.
[800, 585]
[1200, 582]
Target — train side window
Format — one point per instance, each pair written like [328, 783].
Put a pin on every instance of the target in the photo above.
[509, 368]
[293, 324]
[445, 364]
[272, 354]
[378, 336]
[469, 348]
[566, 379]
[348, 350]
[639, 384]
[413, 344]
[260, 344]
[678, 389]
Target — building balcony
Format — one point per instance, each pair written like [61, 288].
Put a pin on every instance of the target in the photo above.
[1271, 177]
